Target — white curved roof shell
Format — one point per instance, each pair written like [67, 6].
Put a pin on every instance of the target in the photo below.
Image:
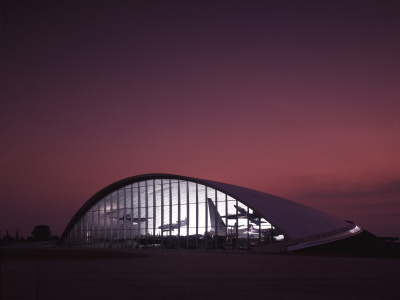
[302, 226]
[295, 220]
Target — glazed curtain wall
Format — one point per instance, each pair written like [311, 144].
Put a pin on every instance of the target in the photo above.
[159, 208]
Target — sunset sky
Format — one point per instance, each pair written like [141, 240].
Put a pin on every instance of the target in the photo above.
[300, 99]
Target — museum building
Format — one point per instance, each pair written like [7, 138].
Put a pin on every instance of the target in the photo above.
[173, 211]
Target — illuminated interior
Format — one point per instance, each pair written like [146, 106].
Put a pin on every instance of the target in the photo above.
[170, 213]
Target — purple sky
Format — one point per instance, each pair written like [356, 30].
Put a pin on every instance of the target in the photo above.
[296, 98]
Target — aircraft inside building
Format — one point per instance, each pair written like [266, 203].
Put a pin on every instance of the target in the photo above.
[173, 211]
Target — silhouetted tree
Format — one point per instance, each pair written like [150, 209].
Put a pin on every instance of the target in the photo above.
[41, 233]
[17, 236]
[54, 237]
[7, 237]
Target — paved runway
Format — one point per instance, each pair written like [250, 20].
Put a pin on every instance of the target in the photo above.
[185, 274]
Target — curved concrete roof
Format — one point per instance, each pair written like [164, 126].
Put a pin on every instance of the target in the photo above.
[297, 222]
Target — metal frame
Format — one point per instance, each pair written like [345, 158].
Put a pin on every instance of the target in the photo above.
[197, 215]
[162, 211]
[112, 227]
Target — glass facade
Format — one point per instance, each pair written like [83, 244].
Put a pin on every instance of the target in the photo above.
[170, 213]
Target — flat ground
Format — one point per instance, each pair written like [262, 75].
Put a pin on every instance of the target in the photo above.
[189, 274]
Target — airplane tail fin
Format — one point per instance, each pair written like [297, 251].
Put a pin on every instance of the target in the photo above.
[217, 224]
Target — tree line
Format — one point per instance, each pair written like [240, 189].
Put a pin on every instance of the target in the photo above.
[39, 233]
